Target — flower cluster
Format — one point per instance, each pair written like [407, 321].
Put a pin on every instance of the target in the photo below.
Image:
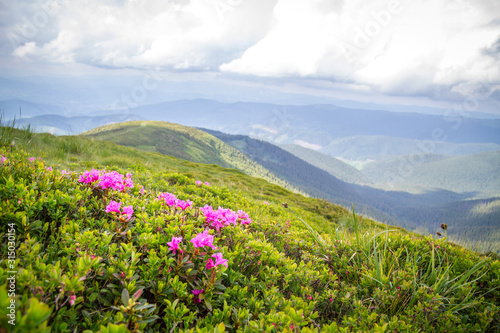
[218, 261]
[115, 207]
[198, 183]
[113, 180]
[200, 240]
[174, 244]
[203, 239]
[2, 159]
[222, 217]
[172, 201]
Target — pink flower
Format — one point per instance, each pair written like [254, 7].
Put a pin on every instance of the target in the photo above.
[174, 244]
[244, 217]
[169, 198]
[49, 168]
[183, 204]
[198, 182]
[196, 294]
[266, 203]
[203, 239]
[72, 300]
[3, 159]
[128, 210]
[89, 176]
[309, 297]
[32, 159]
[207, 184]
[113, 207]
[218, 261]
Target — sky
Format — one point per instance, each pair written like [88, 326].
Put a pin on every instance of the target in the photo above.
[106, 54]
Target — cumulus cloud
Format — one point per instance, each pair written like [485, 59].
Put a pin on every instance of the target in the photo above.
[441, 48]
[138, 33]
[399, 47]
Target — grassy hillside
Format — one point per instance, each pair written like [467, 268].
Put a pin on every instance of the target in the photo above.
[86, 265]
[183, 142]
[472, 173]
[333, 166]
[262, 159]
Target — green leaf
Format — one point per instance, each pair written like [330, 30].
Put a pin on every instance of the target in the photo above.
[125, 296]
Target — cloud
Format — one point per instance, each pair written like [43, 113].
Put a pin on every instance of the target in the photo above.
[193, 34]
[396, 47]
[438, 49]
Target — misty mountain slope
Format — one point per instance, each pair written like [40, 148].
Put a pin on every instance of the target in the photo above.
[60, 125]
[182, 142]
[333, 166]
[318, 123]
[379, 147]
[461, 174]
[11, 109]
[387, 206]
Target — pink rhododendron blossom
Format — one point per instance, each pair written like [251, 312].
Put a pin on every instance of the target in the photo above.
[218, 261]
[183, 204]
[266, 203]
[32, 159]
[72, 300]
[113, 207]
[128, 210]
[198, 182]
[49, 168]
[3, 159]
[207, 184]
[243, 217]
[223, 217]
[169, 198]
[196, 294]
[203, 239]
[89, 176]
[107, 180]
[174, 244]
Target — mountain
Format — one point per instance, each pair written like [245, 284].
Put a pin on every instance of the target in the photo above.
[320, 124]
[476, 174]
[267, 161]
[61, 125]
[18, 108]
[100, 254]
[333, 166]
[380, 147]
[182, 142]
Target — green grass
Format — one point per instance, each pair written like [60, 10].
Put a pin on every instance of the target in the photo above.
[307, 266]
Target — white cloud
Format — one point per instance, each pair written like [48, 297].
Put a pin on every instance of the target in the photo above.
[388, 47]
[151, 33]
[400, 47]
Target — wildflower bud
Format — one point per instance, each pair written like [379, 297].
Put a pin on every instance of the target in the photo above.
[444, 226]
[438, 233]
[285, 204]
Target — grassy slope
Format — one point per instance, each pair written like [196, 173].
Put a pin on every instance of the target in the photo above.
[189, 143]
[183, 142]
[79, 153]
[278, 277]
[478, 172]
